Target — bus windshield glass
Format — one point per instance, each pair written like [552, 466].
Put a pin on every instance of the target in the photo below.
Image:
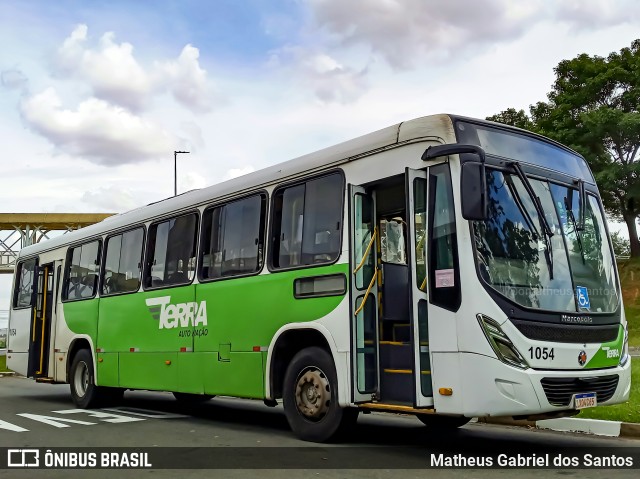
[527, 149]
[571, 270]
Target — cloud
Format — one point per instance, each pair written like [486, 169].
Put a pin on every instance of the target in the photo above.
[109, 199]
[404, 32]
[97, 131]
[187, 80]
[594, 14]
[330, 80]
[115, 75]
[191, 181]
[235, 172]
[14, 79]
[407, 32]
[111, 69]
[194, 139]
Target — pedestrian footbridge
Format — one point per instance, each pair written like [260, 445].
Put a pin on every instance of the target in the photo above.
[18, 230]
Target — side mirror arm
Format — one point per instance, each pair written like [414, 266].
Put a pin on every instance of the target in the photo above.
[452, 149]
[457, 149]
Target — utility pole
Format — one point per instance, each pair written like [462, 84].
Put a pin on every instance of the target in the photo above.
[175, 171]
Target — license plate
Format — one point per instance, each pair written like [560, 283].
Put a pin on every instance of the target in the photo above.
[584, 400]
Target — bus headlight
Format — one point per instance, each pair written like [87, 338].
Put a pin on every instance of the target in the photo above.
[624, 357]
[501, 344]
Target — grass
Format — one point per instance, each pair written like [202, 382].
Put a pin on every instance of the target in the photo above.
[630, 281]
[627, 412]
[3, 363]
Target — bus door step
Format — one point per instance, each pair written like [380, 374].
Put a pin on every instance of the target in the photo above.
[397, 385]
[396, 355]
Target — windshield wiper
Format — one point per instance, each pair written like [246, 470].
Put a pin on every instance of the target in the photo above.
[546, 229]
[572, 219]
[582, 201]
[523, 209]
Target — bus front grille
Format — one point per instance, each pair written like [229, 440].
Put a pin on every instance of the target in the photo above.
[559, 391]
[565, 333]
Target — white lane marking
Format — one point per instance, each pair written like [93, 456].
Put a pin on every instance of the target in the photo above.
[11, 427]
[146, 412]
[55, 421]
[104, 416]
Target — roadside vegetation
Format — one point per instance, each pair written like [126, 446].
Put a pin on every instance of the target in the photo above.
[630, 411]
[627, 412]
[3, 364]
[630, 281]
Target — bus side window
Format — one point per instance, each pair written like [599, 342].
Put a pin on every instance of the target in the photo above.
[307, 222]
[171, 257]
[123, 258]
[443, 244]
[233, 238]
[24, 284]
[81, 275]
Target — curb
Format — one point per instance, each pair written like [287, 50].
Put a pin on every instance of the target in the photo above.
[586, 426]
[7, 373]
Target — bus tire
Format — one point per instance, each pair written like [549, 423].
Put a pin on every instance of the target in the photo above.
[310, 397]
[84, 392]
[188, 398]
[443, 422]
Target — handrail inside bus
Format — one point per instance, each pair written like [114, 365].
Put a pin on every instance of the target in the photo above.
[366, 294]
[367, 251]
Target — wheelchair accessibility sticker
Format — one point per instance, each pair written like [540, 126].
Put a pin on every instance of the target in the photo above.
[583, 297]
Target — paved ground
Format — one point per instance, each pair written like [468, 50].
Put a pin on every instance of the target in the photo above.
[41, 415]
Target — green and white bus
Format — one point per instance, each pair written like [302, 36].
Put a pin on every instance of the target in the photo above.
[445, 267]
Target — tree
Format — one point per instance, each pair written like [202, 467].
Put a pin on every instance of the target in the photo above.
[513, 117]
[620, 244]
[593, 107]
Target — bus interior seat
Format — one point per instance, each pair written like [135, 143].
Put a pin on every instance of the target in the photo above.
[177, 277]
[396, 287]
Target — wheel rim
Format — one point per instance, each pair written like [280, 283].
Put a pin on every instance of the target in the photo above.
[81, 379]
[313, 393]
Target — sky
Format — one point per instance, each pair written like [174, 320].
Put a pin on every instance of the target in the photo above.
[95, 96]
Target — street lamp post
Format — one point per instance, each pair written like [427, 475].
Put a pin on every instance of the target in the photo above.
[175, 171]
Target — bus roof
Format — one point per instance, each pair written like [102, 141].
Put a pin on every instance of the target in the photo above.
[423, 128]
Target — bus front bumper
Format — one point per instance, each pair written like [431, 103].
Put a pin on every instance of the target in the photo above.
[492, 388]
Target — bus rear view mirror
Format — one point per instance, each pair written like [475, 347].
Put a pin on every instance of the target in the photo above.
[473, 182]
[473, 189]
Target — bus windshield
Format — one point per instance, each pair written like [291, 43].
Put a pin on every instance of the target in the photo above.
[569, 270]
[528, 149]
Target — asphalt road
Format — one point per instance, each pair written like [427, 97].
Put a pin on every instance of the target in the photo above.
[42, 416]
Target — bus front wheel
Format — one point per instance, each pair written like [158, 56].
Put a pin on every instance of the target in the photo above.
[310, 397]
[84, 392]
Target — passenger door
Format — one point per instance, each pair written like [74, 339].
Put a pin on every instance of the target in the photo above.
[363, 293]
[20, 320]
[416, 197]
[41, 326]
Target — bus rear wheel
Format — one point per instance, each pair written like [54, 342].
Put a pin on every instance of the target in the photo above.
[443, 422]
[310, 397]
[84, 392]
